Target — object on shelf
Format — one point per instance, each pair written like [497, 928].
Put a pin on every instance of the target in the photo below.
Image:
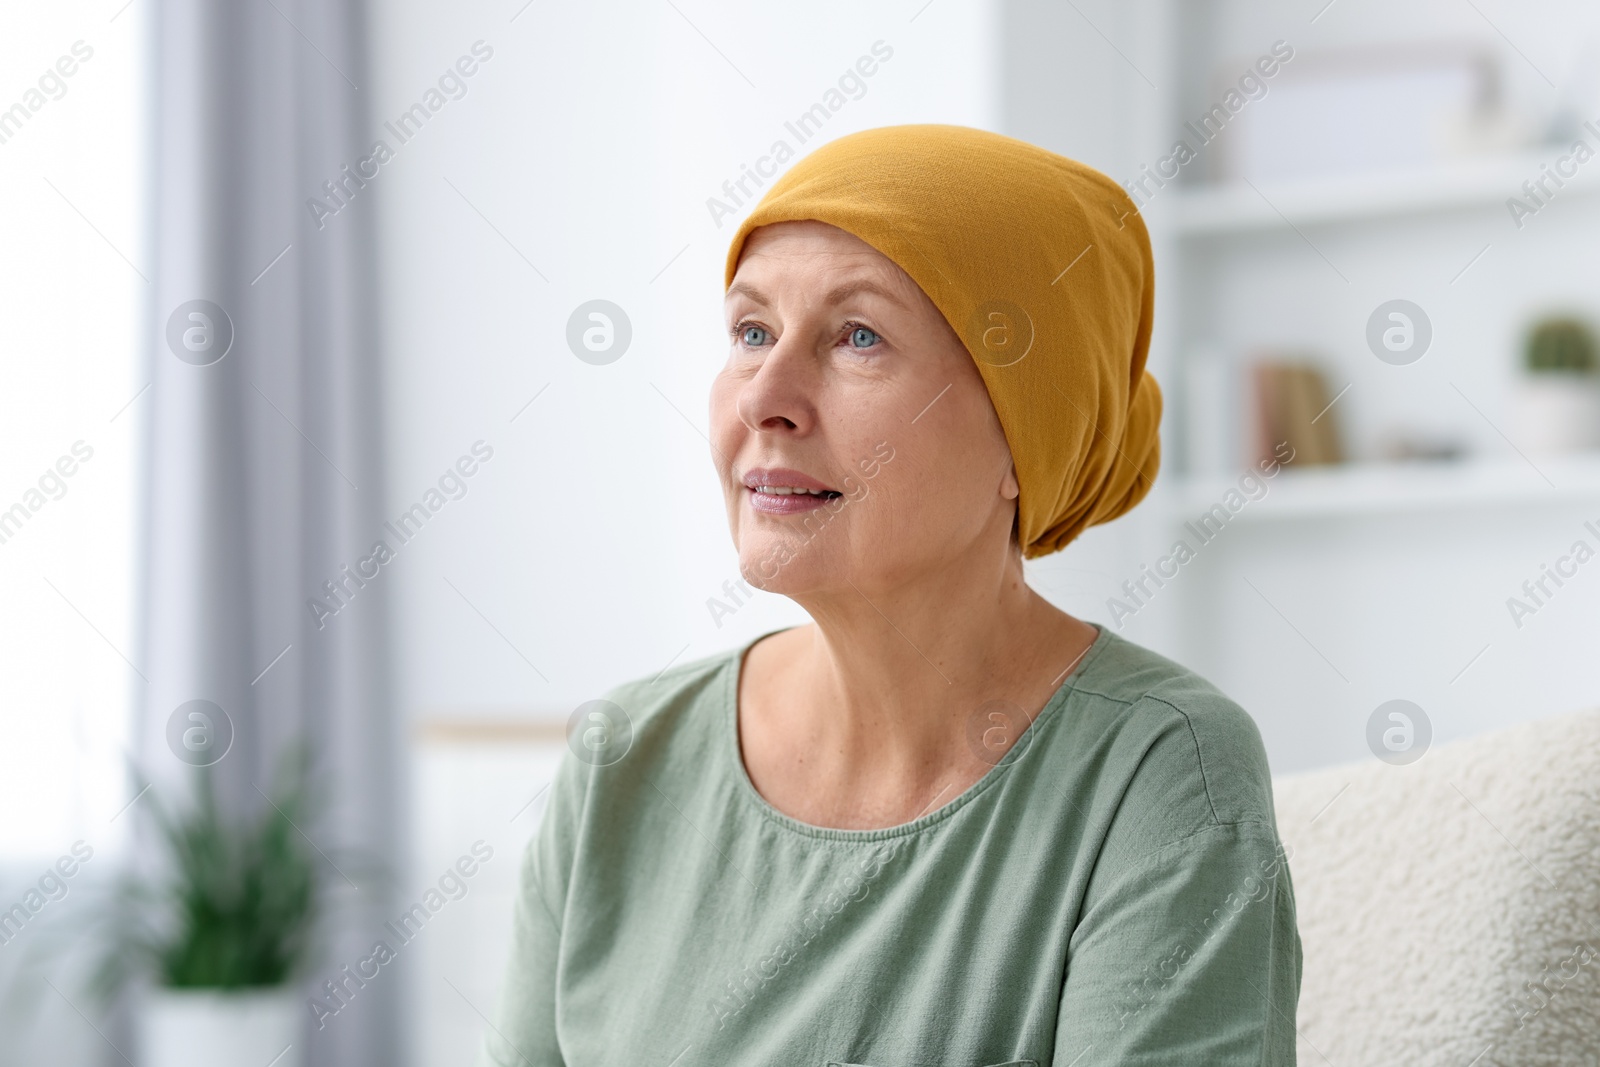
[1294, 407]
[1556, 404]
[1354, 110]
[1416, 446]
[1560, 344]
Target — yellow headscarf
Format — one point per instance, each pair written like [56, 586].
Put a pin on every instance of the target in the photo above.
[1042, 267]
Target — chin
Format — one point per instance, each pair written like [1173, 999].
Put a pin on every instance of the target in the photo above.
[777, 565]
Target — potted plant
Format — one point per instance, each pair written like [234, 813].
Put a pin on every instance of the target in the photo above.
[219, 937]
[1557, 403]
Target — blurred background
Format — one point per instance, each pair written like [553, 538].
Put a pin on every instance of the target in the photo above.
[353, 376]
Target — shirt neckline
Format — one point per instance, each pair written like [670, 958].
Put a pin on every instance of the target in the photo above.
[746, 788]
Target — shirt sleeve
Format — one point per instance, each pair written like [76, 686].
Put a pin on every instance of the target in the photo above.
[522, 1030]
[1189, 957]
[1186, 949]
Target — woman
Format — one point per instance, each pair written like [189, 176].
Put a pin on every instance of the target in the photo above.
[945, 823]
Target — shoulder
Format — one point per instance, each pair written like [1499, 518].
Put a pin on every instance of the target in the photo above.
[634, 734]
[648, 699]
[673, 715]
[1182, 757]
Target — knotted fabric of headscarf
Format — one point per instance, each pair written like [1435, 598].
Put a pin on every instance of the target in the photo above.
[1042, 267]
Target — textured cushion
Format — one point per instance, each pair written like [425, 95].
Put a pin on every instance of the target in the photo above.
[1449, 909]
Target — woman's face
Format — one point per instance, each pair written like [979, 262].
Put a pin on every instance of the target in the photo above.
[853, 435]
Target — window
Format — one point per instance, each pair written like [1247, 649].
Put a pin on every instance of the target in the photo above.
[73, 263]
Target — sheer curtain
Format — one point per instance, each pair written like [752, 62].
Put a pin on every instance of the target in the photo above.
[265, 476]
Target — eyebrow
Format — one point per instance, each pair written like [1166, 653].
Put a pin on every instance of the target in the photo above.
[839, 293]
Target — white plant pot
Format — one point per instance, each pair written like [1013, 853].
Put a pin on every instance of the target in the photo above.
[1556, 414]
[208, 1028]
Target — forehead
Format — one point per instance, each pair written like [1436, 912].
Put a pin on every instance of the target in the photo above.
[809, 250]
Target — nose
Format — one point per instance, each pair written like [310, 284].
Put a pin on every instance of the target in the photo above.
[780, 398]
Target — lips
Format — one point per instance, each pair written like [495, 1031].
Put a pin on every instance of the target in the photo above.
[782, 491]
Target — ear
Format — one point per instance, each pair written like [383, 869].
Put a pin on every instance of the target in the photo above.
[1009, 489]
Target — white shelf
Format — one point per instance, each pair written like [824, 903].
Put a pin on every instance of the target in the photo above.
[1359, 490]
[1236, 207]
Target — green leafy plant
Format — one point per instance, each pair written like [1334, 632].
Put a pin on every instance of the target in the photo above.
[1560, 344]
[237, 905]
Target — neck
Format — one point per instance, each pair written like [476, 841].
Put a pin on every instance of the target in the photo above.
[892, 672]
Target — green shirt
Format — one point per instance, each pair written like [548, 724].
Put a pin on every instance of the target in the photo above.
[1113, 892]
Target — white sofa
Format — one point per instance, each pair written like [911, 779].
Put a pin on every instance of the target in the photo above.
[1449, 909]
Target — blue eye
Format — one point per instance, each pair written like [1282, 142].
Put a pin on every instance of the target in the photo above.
[754, 336]
[861, 337]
